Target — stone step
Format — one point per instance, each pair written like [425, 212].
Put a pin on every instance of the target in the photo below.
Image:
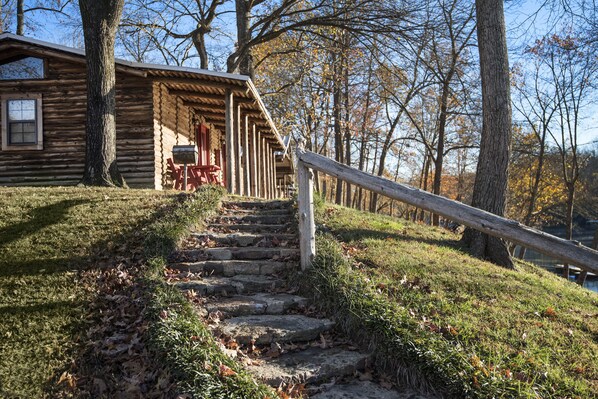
[236, 253]
[248, 239]
[262, 303]
[226, 286]
[229, 268]
[253, 219]
[365, 390]
[265, 212]
[254, 228]
[276, 204]
[265, 329]
[309, 366]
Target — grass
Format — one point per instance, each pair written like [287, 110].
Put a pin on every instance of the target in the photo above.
[448, 321]
[47, 236]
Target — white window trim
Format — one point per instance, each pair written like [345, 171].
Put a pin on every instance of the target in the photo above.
[38, 120]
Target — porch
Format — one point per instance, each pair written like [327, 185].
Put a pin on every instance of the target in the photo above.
[225, 117]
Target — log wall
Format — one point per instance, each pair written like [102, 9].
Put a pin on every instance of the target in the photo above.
[64, 102]
[171, 126]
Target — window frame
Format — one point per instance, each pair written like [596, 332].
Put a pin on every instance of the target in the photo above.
[21, 57]
[6, 145]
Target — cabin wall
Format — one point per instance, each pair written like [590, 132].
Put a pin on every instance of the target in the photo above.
[61, 162]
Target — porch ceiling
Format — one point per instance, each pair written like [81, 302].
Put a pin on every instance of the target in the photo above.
[206, 95]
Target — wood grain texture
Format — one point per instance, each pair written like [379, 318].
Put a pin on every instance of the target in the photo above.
[486, 222]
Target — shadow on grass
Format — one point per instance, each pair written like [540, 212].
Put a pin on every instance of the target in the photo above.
[362, 234]
[40, 217]
[45, 308]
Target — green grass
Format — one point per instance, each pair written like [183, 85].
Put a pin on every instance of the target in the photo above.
[47, 236]
[464, 326]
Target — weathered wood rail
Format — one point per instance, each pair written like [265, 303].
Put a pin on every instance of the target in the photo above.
[570, 252]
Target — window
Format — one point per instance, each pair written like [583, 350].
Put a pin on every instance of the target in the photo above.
[22, 68]
[22, 122]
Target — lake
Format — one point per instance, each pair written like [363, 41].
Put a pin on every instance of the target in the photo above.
[584, 236]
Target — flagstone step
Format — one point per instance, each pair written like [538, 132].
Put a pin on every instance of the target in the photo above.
[226, 286]
[311, 365]
[236, 253]
[265, 329]
[253, 228]
[229, 268]
[261, 303]
[254, 219]
[365, 390]
[265, 212]
[248, 239]
[256, 204]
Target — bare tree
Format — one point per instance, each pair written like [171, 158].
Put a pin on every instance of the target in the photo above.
[100, 20]
[490, 188]
[187, 22]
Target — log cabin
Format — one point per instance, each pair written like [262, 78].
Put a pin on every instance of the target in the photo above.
[44, 100]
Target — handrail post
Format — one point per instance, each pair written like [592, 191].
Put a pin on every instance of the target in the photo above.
[305, 199]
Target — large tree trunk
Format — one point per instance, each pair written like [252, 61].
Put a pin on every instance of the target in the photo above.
[569, 221]
[245, 58]
[100, 20]
[490, 187]
[20, 17]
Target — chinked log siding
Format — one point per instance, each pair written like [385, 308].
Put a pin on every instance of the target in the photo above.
[64, 104]
[172, 126]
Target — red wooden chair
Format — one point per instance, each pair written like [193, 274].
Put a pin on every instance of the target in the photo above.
[177, 173]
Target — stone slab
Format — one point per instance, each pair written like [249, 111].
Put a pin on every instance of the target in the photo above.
[265, 329]
[310, 365]
[365, 390]
[241, 284]
[261, 303]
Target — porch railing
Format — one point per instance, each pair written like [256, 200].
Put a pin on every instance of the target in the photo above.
[570, 252]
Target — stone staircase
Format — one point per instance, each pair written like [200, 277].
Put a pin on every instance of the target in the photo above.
[238, 274]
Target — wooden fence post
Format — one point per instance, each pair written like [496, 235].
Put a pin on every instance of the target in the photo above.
[305, 199]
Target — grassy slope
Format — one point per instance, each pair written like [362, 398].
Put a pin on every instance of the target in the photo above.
[472, 328]
[46, 237]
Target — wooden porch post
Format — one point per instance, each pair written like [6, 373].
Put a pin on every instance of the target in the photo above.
[230, 142]
[260, 190]
[238, 178]
[266, 168]
[254, 168]
[274, 182]
[247, 168]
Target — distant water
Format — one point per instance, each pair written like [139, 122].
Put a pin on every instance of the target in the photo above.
[584, 236]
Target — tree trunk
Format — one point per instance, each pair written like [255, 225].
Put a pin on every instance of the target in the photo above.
[100, 20]
[337, 115]
[490, 187]
[569, 222]
[245, 58]
[199, 41]
[535, 189]
[440, 146]
[20, 17]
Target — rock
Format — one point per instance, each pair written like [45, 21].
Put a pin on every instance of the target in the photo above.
[265, 329]
[241, 284]
[310, 365]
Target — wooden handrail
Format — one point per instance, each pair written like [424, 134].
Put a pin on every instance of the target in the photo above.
[571, 252]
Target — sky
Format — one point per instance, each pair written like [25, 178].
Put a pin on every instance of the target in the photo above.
[526, 20]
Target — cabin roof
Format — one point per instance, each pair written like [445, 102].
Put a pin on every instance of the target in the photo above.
[200, 89]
